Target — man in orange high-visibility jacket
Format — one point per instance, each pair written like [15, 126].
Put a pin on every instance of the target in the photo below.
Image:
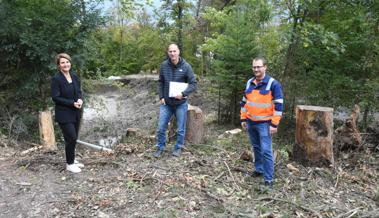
[261, 110]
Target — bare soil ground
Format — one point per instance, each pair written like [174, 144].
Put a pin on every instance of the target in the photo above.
[206, 181]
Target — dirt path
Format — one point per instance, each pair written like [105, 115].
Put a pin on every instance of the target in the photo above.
[111, 108]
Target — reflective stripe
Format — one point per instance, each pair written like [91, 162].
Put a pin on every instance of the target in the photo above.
[260, 117]
[268, 86]
[280, 100]
[244, 99]
[248, 83]
[261, 105]
[278, 113]
[243, 109]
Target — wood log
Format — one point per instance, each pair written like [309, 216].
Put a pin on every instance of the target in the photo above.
[46, 131]
[314, 136]
[194, 126]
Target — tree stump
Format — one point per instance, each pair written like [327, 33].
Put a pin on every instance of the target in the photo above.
[347, 136]
[46, 131]
[194, 126]
[314, 135]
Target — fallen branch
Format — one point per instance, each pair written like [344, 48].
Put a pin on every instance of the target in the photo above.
[24, 183]
[351, 212]
[144, 175]
[336, 184]
[227, 166]
[370, 214]
[219, 176]
[30, 150]
[31, 143]
[293, 203]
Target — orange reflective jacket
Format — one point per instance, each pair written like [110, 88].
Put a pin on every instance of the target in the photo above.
[262, 102]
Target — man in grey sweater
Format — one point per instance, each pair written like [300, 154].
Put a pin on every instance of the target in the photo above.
[174, 69]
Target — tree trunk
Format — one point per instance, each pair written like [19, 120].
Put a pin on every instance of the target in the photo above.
[180, 24]
[46, 131]
[314, 135]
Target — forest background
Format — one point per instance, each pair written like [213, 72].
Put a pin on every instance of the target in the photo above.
[324, 52]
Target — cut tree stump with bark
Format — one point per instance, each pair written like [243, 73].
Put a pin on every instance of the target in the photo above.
[347, 136]
[314, 136]
[46, 131]
[194, 127]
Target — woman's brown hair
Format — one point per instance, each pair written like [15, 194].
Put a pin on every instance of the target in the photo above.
[62, 55]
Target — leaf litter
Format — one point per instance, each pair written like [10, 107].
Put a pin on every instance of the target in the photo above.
[205, 181]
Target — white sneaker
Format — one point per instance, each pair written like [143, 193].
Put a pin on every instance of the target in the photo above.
[77, 163]
[73, 168]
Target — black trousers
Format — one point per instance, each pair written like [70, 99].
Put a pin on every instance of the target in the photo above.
[70, 134]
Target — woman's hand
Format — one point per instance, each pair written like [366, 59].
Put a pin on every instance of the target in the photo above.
[78, 104]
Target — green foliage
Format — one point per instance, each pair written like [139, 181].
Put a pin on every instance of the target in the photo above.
[323, 52]
[33, 33]
[130, 7]
[331, 59]
[122, 49]
[233, 48]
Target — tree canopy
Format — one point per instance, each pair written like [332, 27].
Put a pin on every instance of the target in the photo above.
[323, 52]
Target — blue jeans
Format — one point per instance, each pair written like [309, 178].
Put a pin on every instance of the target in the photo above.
[165, 113]
[260, 139]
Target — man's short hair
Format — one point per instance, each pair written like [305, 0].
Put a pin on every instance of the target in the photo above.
[264, 61]
[173, 43]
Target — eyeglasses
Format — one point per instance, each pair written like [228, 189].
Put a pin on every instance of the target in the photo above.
[257, 67]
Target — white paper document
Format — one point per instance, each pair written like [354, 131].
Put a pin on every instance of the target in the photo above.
[176, 88]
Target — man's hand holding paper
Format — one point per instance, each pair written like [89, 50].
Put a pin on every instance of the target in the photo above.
[176, 89]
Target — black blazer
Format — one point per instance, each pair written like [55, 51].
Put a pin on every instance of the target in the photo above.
[65, 112]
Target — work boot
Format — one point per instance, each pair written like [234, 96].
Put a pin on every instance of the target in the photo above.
[269, 186]
[256, 174]
[177, 152]
[158, 153]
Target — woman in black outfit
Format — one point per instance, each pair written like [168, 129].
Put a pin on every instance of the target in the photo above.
[67, 96]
